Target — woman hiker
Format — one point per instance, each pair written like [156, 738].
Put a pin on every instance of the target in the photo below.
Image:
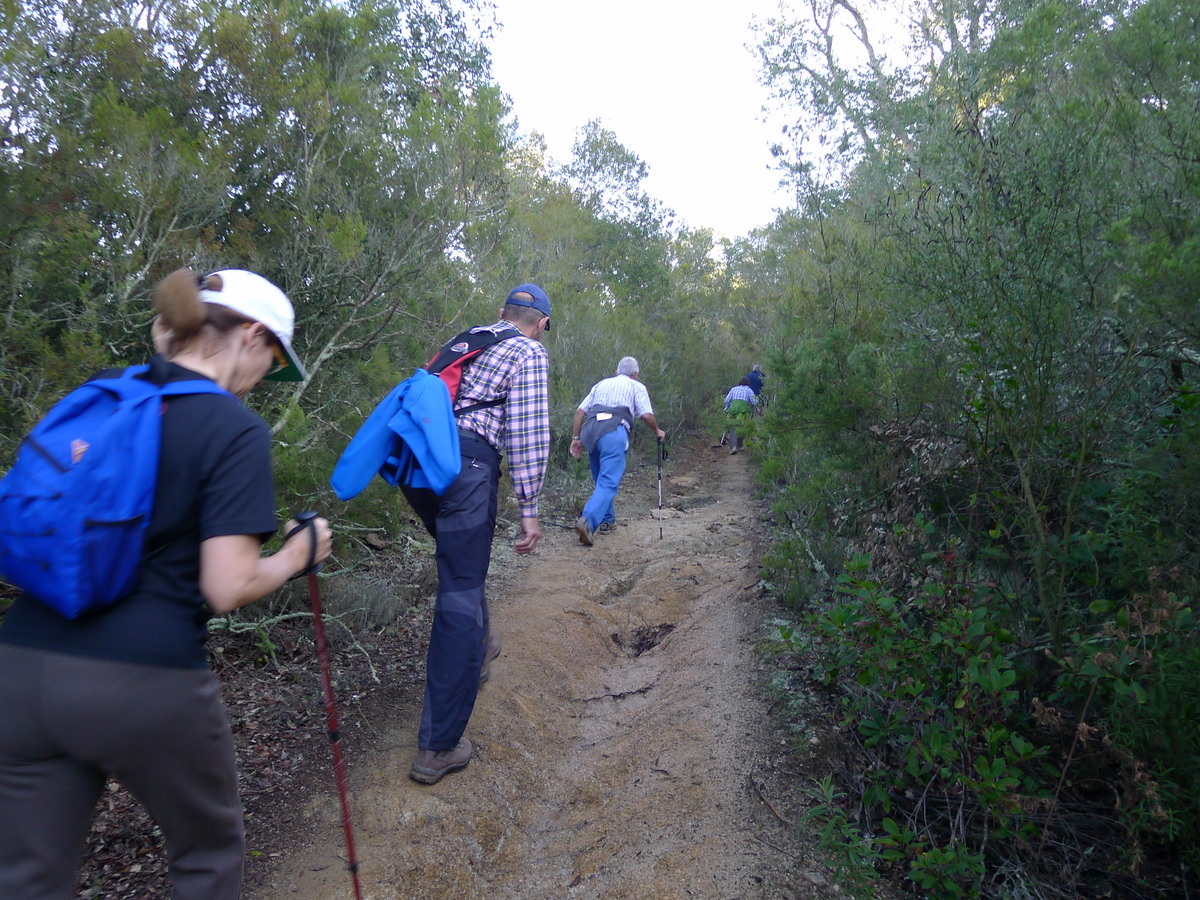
[741, 403]
[125, 691]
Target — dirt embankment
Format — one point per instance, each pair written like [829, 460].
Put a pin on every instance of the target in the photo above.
[623, 748]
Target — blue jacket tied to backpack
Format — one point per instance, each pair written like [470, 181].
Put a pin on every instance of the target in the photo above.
[411, 438]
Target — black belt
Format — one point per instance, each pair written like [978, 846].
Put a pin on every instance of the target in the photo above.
[474, 437]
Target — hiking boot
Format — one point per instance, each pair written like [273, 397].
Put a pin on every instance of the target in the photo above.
[430, 765]
[491, 650]
[606, 528]
[584, 531]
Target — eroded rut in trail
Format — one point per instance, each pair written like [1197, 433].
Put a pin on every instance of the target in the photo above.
[622, 745]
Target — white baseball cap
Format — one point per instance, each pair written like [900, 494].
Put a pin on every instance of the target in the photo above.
[256, 298]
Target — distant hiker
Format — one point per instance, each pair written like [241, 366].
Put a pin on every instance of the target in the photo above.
[754, 378]
[741, 404]
[602, 425]
[462, 521]
[125, 691]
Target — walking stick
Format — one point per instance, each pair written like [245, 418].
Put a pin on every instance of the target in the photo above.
[662, 454]
[339, 766]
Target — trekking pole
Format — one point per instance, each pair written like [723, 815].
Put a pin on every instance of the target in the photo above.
[662, 454]
[339, 766]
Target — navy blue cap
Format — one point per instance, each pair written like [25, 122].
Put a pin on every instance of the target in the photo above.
[540, 301]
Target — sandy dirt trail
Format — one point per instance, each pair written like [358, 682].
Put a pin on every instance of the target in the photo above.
[622, 747]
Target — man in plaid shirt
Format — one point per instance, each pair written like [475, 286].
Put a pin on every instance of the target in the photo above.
[462, 644]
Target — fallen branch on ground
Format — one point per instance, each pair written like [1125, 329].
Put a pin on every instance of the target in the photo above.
[771, 806]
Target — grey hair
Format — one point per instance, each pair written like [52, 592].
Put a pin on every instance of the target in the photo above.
[628, 366]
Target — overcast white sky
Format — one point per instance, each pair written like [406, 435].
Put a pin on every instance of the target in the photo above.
[673, 79]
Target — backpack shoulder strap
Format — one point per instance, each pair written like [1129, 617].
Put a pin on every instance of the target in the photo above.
[193, 386]
[459, 351]
[126, 384]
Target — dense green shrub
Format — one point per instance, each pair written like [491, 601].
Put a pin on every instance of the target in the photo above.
[931, 692]
[1133, 677]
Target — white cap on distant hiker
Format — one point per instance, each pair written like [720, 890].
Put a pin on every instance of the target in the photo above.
[256, 298]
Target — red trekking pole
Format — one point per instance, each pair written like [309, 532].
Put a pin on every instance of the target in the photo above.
[339, 765]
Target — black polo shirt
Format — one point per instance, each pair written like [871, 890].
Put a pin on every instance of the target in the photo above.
[214, 478]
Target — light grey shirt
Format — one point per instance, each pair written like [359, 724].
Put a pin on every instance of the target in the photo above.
[620, 390]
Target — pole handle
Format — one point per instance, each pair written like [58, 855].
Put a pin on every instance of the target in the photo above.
[306, 520]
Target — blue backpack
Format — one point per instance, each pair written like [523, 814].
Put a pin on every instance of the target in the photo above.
[411, 437]
[75, 505]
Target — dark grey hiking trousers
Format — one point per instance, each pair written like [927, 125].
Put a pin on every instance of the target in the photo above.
[67, 723]
[463, 523]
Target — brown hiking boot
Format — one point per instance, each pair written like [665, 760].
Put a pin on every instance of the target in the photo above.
[430, 765]
[584, 530]
[491, 649]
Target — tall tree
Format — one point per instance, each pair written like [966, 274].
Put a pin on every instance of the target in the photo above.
[340, 149]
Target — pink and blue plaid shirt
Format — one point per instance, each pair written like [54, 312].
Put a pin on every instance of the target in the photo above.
[741, 392]
[518, 369]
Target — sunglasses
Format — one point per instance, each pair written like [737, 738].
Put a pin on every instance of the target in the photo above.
[281, 361]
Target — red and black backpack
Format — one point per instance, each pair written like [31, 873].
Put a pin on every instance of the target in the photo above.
[449, 362]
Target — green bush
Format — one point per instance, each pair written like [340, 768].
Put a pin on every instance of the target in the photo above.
[931, 692]
[1134, 677]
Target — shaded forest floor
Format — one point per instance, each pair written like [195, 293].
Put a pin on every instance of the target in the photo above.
[623, 745]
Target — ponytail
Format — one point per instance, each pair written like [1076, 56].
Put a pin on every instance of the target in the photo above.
[179, 307]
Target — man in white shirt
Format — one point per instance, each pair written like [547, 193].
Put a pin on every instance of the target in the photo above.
[602, 425]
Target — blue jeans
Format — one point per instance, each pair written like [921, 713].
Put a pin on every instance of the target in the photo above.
[607, 461]
[463, 523]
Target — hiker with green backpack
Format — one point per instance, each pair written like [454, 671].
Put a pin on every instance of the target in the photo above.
[741, 405]
[98, 682]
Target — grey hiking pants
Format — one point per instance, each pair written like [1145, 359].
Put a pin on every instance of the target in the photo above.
[67, 723]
